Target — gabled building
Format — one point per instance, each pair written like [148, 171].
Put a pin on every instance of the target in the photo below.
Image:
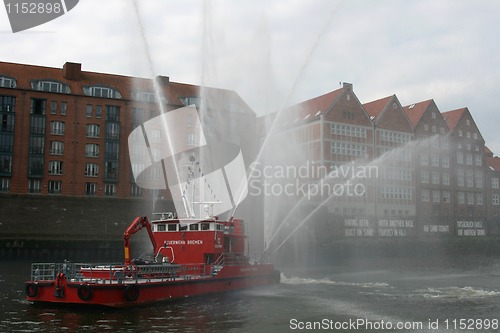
[393, 133]
[434, 195]
[492, 201]
[467, 152]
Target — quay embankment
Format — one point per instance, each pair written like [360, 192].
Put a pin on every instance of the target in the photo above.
[36, 227]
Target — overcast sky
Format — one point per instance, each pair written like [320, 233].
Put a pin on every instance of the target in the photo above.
[276, 53]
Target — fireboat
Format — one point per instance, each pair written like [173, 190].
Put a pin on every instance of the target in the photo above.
[190, 257]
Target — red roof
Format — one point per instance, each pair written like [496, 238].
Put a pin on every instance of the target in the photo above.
[314, 105]
[173, 91]
[453, 117]
[375, 108]
[414, 112]
[493, 163]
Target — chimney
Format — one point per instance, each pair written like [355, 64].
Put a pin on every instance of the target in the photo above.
[72, 71]
[347, 86]
[162, 80]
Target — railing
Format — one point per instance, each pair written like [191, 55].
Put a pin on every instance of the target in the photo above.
[117, 273]
[231, 259]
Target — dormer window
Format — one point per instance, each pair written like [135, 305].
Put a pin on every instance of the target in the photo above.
[7, 82]
[145, 96]
[190, 101]
[100, 91]
[50, 86]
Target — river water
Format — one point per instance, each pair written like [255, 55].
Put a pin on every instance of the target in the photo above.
[383, 295]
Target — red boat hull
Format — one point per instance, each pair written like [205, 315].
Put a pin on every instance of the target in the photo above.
[133, 293]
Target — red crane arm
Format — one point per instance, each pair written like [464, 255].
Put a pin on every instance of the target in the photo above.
[137, 224]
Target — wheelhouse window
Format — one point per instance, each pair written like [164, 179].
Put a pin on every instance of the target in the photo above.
[172, 227]
[50, 86]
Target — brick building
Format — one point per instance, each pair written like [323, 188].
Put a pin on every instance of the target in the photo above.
[65, 131]
[434, 179]
[64, 157]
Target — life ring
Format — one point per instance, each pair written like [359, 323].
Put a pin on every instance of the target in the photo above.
[31, 289]
[84, 292]
[132, 292]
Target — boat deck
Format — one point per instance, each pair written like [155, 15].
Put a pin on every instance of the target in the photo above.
[100, 274]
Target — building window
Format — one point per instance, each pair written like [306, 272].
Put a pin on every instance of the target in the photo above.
[113, 131]
[37, 145]
[436, 196]
[88, 111]
[112, 113]
[7, 82]
[445, 161]
[460, 177]
[460, 157]
[111, 170]
[7, 104]
[425, 195]
[50, 86]
[479, 160]
[424, 177]
[99, 91]
[445, 178]
[468, 158]
[57, 127]
[54, 186]
[38, 106]
[64, 108]
[98, 111]
[56, 148]
[495, 199]
[91, 150]
[91, 170]
[55, 167]
[447, 196]
[110, 190]
[34, 186]
[435, 177]
[5, 163]
[461, 198]
[144, 96]
[112, 150]
[6, 143]
[37, 125]
[90, 188]
[53, 107]
[424, 159]
[93, 130]
[479, 199]
[470, 198]
[35, 166]
[494, 183]
[469, 178]
[479, 179]
[435, 160]
[5, 184]
[135, 191]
